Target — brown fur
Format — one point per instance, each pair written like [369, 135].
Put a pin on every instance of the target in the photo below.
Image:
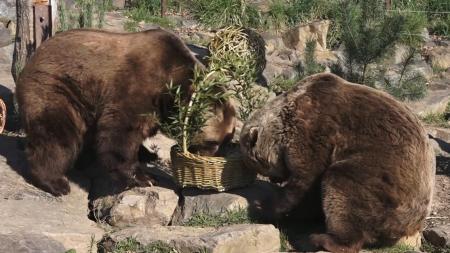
[370, 153]
[101, 93]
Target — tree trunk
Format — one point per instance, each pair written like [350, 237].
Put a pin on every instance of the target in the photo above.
[24, 45]
[163, 7]
[388, 4]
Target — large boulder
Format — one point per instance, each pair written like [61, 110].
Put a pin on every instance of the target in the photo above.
[248, 238]
[297, 37]
[434, 102]
[8, 9]
[141, 205]
[6, 37]
[34, 221]
[199, 202]
[440, 140]
[438, 236]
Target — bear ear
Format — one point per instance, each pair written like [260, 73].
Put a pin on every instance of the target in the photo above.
[253, 137]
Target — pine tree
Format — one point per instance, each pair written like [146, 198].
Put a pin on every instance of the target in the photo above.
[367, 33]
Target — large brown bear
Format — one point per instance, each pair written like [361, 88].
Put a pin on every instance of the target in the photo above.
[102, 93]
[368, 152]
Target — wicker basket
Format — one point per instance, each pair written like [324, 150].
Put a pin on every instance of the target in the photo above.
[205, 172]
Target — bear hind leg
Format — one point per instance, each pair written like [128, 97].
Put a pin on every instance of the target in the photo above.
[345, 228]
[51, 151]
[332, 244]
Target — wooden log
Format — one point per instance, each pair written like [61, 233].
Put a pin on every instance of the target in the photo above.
[24, 44]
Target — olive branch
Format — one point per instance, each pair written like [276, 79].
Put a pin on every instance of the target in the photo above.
[189, 117]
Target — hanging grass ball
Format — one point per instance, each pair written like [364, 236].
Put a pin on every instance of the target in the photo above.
[234, 43]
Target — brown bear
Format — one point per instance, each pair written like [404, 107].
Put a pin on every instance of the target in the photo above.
[369, 153]
[102, 93]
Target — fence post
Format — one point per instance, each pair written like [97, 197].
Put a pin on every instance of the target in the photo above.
[163, 7]
[388, 4]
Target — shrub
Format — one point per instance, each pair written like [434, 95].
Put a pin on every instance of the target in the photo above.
[309, 67]
[188, 115]
[240, 54]
[367, 33]
[219, 13]
[280, 84]
[433, 10]
[148, 11]
[87, 14]
[411, 85]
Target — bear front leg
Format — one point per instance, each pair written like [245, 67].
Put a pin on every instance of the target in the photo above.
[118, 142]
[305, 170]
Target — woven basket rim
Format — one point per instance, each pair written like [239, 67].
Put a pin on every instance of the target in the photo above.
[218, 159]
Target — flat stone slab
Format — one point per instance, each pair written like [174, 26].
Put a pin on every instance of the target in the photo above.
[198, 202]
[434, 102]
[248, 238]
[34, 221]
[137, 206]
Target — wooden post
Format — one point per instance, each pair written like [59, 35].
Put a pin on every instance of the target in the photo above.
[388, 4]
[54, 7]
[23, 45]
[163, 7]
[42, 23]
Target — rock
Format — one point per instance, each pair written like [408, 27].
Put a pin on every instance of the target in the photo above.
[8, 9]
[190, 23]
[118, 4]
[439, 57]
[114, 22]
[5, 35]
[248, 238]
[392, 65]
[141, 205]
[283, 60]
[438, 236]
[326, 58]
[297, 37]
[148, 26]
[198, 202]
[277, 67]
[34, 221]
[440, 139]
[434, 102]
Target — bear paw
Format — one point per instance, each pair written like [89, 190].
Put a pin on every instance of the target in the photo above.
[56, 187]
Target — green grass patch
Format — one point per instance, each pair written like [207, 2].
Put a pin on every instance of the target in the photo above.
[148, 11]
[284, 242]
[436, 119]
[400, 248]
[426, 247]
[131, 26]
[280, 84]
[219, 13]
[131, 245]
[217, 220]
[438, 69]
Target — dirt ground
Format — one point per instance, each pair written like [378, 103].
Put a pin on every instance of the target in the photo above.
[440, 213]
